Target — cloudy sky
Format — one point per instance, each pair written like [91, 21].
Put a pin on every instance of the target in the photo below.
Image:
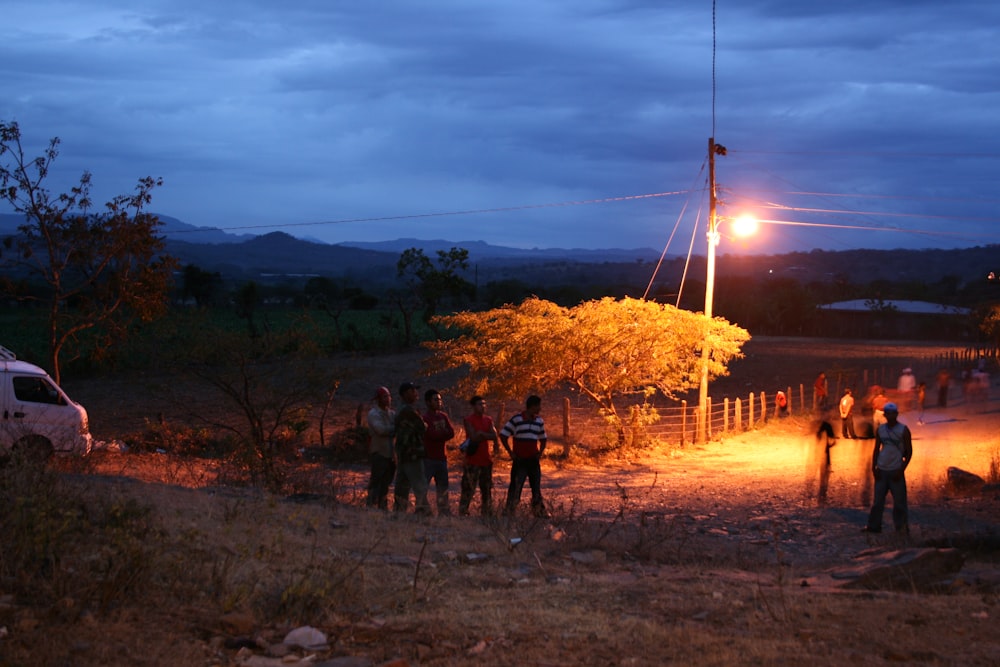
[527, 123]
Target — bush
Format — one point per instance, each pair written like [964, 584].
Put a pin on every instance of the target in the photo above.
[57, 544]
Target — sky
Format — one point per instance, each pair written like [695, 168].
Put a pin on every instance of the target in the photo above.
[526, 123]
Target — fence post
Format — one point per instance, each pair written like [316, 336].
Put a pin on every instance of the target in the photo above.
[725, 414]
[802, 398]
[684, 414]
[750, 411]
[708, 419]
[763, 406]
[739, 414]
[634, 426]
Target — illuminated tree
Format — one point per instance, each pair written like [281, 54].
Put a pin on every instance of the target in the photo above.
[604, 349]
[101, 271]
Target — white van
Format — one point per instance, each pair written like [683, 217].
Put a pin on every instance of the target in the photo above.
[36, 416]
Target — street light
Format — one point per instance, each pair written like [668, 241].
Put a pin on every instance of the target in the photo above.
[743, 226]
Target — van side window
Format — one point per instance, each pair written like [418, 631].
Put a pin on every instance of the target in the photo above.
[36, 390]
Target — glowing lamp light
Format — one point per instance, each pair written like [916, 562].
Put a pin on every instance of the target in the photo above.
[745, 225]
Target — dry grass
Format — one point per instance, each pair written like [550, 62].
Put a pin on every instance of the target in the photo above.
[708, 555]
[456, 591]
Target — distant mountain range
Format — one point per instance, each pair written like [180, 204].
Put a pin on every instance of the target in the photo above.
[189, 235]
[277, 256]
[481, 249]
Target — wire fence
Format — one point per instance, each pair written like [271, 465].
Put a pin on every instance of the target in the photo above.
[678, 420]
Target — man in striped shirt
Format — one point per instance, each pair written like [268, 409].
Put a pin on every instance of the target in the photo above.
[528, 430]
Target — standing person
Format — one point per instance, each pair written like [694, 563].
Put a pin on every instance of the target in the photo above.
[878, 409]
[907, 386]
[410, 429]
[892, 453]
[847, 415]
[781, 404]
[824, 433]
[477, 466]
[818, 459]
[943, 381]
[381, 428]
[439, 432]
[528, 430]
[921, 400]
[820, 392]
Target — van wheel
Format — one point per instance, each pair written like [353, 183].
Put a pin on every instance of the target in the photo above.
[33, 448]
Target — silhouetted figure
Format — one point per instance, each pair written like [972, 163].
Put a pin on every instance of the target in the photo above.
[943, 380]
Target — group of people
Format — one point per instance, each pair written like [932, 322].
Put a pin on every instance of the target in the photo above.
[409, 449]
[891, 454]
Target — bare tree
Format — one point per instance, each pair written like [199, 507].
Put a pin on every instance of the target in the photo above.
[100, 271]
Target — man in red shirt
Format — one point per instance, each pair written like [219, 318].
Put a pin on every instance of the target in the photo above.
[820, 392]
[439, 432]
[477, 468]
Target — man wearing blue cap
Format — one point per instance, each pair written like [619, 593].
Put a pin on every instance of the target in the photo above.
[892, 453]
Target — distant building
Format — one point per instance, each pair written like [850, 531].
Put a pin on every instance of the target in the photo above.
[899, 319]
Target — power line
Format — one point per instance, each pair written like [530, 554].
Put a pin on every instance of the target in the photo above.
[886, 214]
[869, 228]
[439, 214]
[873, 196]
[871, 154]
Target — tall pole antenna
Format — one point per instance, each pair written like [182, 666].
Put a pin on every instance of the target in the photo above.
[704, 407]
[713, 70]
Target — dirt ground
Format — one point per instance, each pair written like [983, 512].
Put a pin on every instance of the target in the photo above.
[711, 554]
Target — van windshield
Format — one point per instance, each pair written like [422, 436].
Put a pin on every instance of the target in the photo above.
[36, 390]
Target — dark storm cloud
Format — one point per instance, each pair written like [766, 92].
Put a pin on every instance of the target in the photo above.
[298, 112]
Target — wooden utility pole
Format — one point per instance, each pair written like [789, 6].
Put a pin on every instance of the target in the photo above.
[713, 240]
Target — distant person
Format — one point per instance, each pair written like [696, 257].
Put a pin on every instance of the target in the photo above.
[477, 468]
[891, 455]
[921, 399]
[825, 437]
[781, 404]
[847, 415]
[943, 381]
[906, 386]
[439, 432]
[982, 386]
[410, 453]
[820, 392]
[381, 428]
[818, 460]
[878, 408]
[529, 440]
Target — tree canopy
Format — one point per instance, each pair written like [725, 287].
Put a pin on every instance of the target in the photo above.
[604, 349]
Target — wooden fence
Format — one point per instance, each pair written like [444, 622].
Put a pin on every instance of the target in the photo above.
[678, 420]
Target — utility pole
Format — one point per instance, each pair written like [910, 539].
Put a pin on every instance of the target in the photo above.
[713, 240]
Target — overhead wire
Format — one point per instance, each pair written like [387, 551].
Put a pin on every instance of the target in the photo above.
[436, 214]
[666, 246]
[687, 260]
[833, 210]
